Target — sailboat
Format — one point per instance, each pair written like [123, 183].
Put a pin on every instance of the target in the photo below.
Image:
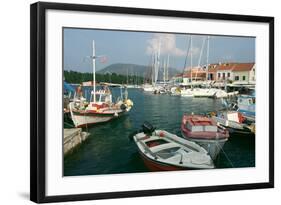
[205, 92]
[188, 92]
[101, 108]
[155, 68]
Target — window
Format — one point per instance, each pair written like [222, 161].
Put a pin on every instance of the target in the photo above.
[244, 77]
[223, 75]
[219, 75]
[236, 78]
[228, 75]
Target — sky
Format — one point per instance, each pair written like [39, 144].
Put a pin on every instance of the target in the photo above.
[138, 48]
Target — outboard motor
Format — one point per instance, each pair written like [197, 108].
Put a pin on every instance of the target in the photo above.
[147, 128]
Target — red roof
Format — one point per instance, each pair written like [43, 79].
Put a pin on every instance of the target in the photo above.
[212, 68]
[243, 67]
[225, 66]
[232, 67]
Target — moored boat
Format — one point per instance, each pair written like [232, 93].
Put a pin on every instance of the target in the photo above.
[99, 111]
[187, 92]
[205, 132]
[234, 122]
[247, 105]
[163, 151]
[204, 92]
[101, 108]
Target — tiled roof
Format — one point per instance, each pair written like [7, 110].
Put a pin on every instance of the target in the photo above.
[235, 66]
[243, 67]
[218, 67]
[225, 66]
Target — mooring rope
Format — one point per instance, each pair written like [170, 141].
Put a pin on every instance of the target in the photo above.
[225, 155]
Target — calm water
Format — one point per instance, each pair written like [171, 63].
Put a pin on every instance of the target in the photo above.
[108, 149]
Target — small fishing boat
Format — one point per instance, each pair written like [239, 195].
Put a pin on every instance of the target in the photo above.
[101, 108]
[234, 122]
[205, 132]
[163, 151]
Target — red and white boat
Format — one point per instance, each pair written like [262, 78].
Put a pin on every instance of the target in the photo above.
[101, 108]
[99, 111]
[205, 132]
[163, 151]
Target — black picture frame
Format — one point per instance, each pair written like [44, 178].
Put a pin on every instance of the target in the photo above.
[38, 100]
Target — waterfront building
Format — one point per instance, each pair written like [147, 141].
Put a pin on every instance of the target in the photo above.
[236, 73]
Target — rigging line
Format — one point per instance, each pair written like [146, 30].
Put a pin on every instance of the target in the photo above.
[187, 52]
[225, 155]
[199, 60]
[201, 52]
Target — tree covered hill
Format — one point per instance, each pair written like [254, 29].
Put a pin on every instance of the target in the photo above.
[78, 77]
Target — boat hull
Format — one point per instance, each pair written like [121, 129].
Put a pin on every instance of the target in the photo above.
[157, 166]
[81, 120]
[163, 151]
[233, 127]
[212, 146]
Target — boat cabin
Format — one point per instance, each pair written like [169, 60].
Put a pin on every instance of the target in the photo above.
[247, 103]
[200, 124]
[246, 100]
[102, 96]
[230, 115]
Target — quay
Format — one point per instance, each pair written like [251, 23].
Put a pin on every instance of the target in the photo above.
[72, 138]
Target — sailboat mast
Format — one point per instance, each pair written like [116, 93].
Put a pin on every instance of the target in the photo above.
[164, 71]
[208, 48]
[167, 68]
[157, 63]
[191, 57]
[94, 71]
[127, 77]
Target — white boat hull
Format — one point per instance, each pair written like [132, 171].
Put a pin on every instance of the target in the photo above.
[201, 92]
[187, 93]
[213, 147]
[189, 155]
[234, 127]
[83, 120]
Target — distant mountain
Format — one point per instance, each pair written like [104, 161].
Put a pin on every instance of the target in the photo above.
[133, 69]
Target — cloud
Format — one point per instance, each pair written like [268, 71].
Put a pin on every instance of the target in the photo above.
[194, 51]
[167, 44]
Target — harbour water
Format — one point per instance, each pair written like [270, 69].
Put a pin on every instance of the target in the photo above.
[108, 149]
